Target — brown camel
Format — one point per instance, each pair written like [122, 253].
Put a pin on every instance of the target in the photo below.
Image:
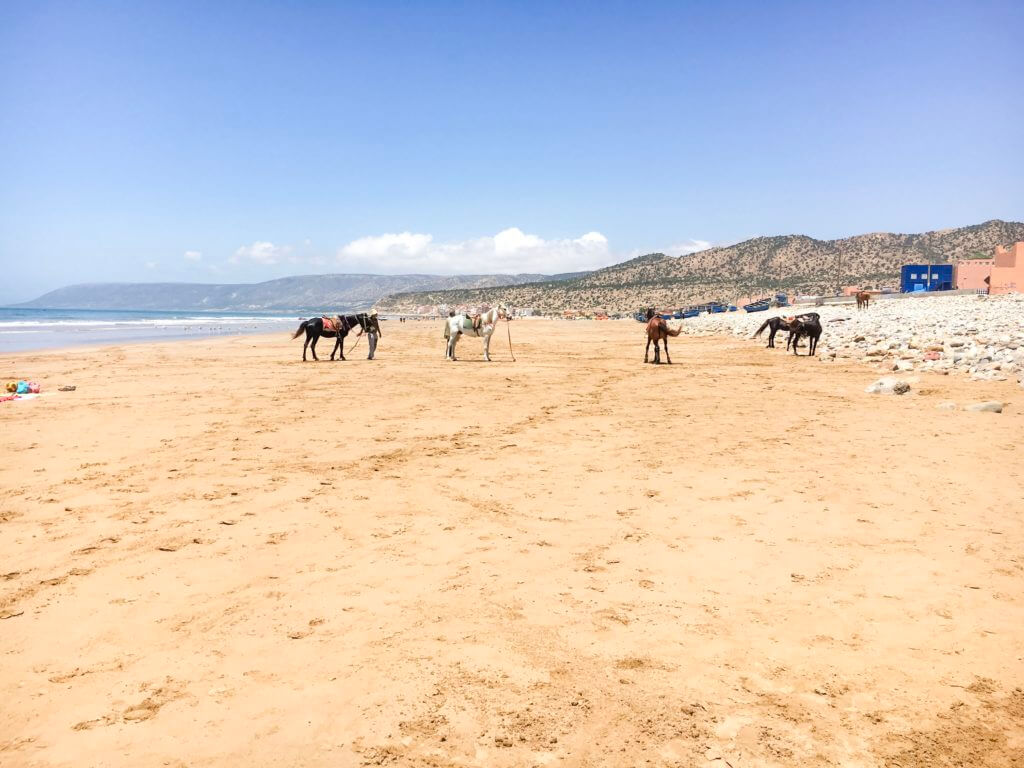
[658, 330]
[863, 299]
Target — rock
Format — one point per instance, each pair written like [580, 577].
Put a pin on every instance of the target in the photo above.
[903, 365]
[888, 386]
[990, 406]
[946, 405]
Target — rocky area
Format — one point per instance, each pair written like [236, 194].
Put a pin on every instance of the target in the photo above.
[980, 336]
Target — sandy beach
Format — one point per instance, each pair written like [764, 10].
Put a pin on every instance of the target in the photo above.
[212, 554]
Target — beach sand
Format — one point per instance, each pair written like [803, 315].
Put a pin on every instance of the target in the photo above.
[212, 554]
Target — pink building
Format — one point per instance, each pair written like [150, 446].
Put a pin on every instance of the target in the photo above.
[1008, 270]
[1003, 273]
[973, 274]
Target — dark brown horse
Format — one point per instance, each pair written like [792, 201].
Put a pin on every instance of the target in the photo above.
[863, 299]
[337, 328]
[804, 325]
[776, 324]
[658, 330]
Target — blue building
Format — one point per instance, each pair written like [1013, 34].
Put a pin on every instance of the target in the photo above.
[926, 277]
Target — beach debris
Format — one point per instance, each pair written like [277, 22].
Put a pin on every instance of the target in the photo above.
[67, 388]
[888, 385]
[21, 390]
[10, 614]
[989, 406]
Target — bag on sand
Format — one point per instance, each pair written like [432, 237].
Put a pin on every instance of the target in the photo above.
[22, 388]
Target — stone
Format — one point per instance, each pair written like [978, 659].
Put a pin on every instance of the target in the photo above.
[989, 406]
[888, 386]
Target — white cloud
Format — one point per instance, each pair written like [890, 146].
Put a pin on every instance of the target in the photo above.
[152, 264]
[509, 251]
[261, 252]
[687, 246]
[193, 256]
[404, 245]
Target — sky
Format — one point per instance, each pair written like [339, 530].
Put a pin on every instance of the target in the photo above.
[243, 141]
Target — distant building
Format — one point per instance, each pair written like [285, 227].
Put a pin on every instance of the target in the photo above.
[1003, 273]
[1008, 270]
[973, 274]
[926, 277]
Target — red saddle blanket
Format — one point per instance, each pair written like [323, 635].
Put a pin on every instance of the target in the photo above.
[330, 324]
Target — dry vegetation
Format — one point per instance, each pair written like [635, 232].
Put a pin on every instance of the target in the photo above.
[790, 263]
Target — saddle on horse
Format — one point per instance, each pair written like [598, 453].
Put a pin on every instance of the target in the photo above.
[331, 324]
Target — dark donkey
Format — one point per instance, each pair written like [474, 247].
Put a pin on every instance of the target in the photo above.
[805, 325]
[337, 328]
[776, 324]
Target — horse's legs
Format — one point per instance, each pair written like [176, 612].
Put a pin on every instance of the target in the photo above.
[487, 347]
[771, 337]
[657, 352]
[647, 351]
[304, 346]
[669, 359]
[312, 345]
[341, 343]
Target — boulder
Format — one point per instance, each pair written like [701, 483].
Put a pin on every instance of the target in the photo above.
[888, 385]
[990, 406]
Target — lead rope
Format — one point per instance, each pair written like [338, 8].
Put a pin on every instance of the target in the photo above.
[508, 322]
[356, 343]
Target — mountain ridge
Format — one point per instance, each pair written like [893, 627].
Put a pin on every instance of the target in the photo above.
[762, 265]
[333, 292]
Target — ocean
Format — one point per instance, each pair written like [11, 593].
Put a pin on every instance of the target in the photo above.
[28, 329]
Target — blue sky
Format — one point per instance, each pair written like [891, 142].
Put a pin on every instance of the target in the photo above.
[224, 142]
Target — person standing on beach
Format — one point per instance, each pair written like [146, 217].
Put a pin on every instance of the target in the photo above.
[371, 334]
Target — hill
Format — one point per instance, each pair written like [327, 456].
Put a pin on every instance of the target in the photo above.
[762, 265]
[340, 292]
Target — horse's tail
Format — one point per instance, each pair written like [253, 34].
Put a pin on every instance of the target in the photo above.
[675, 332]
[761, 329]
[301, 328]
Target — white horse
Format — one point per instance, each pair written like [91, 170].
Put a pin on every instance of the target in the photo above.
[462, 325]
